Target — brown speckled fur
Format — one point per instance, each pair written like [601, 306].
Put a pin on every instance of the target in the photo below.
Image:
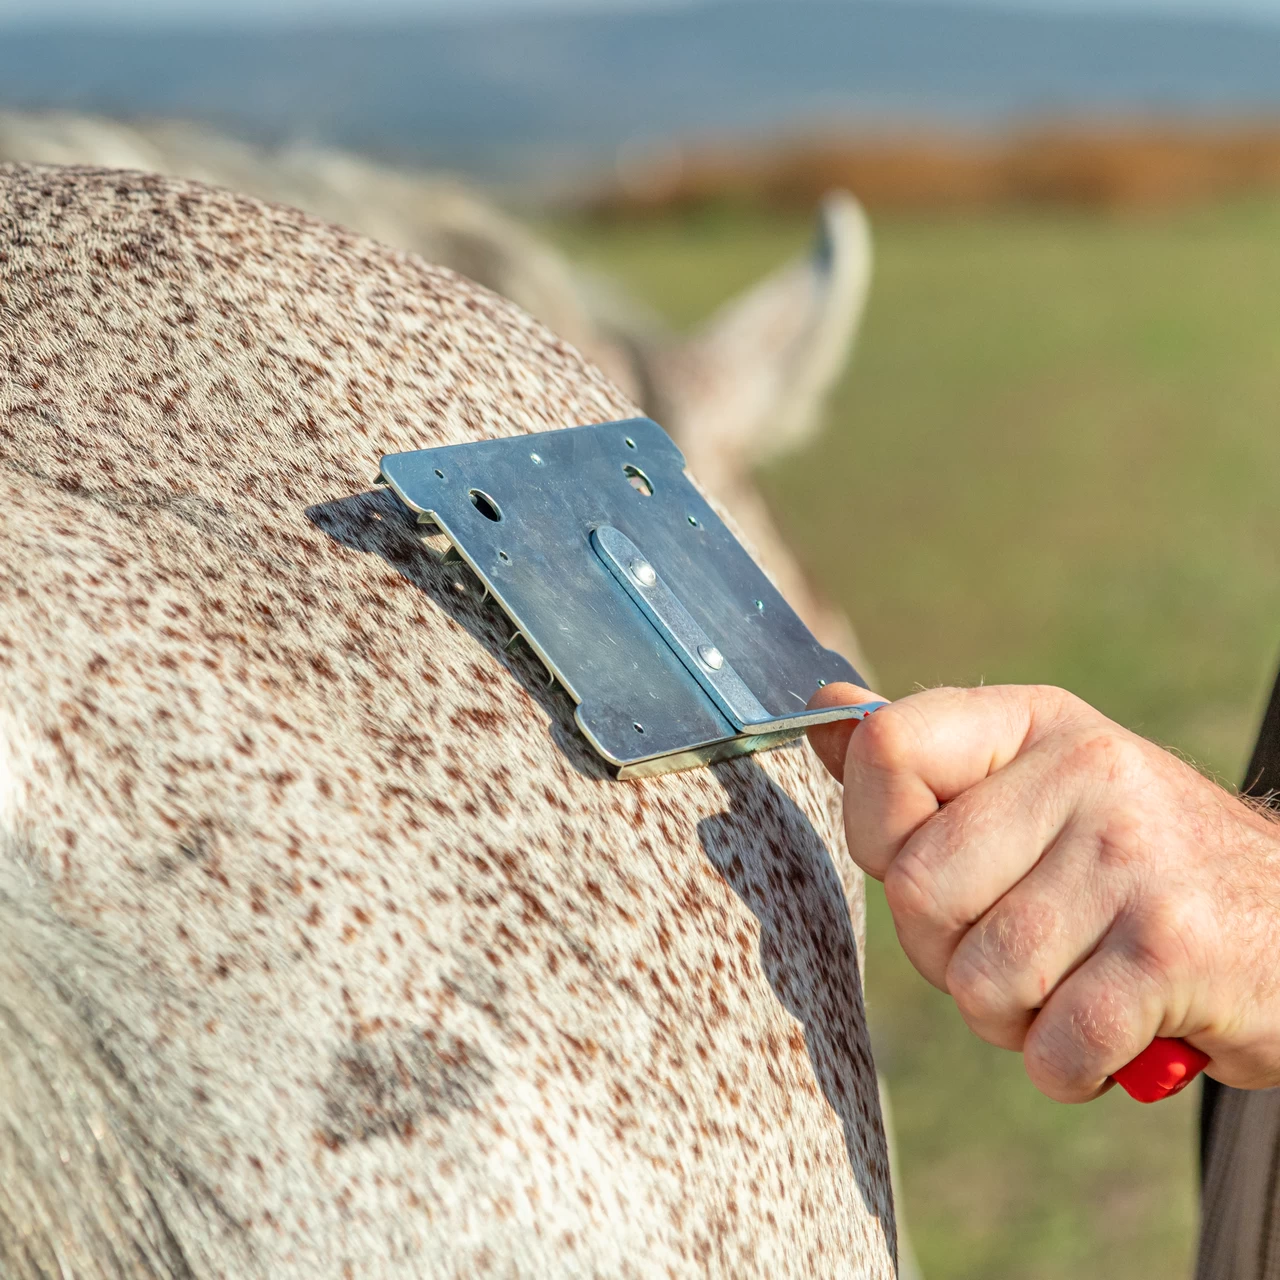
[747, 386]
[326, 947]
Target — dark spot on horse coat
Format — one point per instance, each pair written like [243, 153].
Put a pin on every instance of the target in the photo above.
[387, 1085]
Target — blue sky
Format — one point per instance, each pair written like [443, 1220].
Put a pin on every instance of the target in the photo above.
[284, 10]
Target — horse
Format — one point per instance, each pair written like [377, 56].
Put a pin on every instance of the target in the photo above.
[747, 386]
[330, 948]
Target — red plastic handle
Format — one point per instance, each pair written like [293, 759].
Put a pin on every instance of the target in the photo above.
[1163, 1068]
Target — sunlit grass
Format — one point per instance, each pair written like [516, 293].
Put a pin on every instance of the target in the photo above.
[1053, 459]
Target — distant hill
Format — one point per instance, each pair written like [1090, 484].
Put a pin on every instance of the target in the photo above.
[543, 94]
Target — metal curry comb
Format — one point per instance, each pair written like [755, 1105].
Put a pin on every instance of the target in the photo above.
[676, 648]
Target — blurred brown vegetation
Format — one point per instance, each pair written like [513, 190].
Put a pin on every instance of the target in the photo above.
[1111, 166]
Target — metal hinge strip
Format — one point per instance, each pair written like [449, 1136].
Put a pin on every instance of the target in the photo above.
[697, 650]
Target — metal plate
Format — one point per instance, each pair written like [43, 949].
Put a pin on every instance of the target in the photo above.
[644, 703]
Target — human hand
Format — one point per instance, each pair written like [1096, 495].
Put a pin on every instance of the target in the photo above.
[1077, 890]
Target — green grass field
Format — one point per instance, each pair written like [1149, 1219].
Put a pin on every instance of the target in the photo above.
[1053, 459]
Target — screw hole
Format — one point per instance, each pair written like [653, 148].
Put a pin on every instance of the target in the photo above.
[693, 520]
[638, 727]
[502, 555]
[485, 505]
[638, 480]
[439, 473]
[822, 684]
[759, 606]
[537, 459]
[631, 444]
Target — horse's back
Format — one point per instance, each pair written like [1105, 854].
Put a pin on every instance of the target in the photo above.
[330, 948]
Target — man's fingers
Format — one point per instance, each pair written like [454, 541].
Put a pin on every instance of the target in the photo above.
[1011, 961]
[923, 751]
[831, 741]
[963, 860]
[972, 806]
[1099, 1019]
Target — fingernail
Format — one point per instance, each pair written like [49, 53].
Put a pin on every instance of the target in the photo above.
[865, 709]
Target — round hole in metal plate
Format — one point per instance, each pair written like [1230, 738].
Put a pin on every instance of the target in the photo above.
[638, 727]
[638, 480]
[485, 505]
[631, 444]
[502, 555]
[439, 473]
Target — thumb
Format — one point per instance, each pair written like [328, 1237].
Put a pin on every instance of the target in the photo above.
[831, 741]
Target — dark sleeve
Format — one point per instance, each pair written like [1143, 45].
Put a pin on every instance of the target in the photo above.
[1261, 778]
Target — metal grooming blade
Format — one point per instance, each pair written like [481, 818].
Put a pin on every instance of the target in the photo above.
[675, 646]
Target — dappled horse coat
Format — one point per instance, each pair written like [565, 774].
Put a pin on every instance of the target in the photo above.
[328, 948]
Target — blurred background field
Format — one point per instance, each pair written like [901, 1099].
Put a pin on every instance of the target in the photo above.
[1052, 460]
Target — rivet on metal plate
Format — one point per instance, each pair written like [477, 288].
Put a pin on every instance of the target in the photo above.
[643, 572]
[711, 656]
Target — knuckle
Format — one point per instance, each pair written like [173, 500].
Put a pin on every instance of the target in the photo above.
[976, 988]
[997, 971]
[1048, 709]
[1049, 1057]
[1066, 1052]
[1123, 839]
[1168, 941]
[910, 890]
[1102, 754]
[1014, 936]
[1062, 703]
